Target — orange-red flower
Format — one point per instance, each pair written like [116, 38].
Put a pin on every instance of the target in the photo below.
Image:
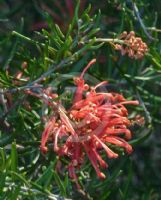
[94, 120]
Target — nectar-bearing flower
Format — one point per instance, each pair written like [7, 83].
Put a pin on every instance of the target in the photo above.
[94, 120]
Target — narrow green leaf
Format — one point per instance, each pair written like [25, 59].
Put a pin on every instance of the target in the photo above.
[2, 159]
[15, 193]
[60, 33]
[20, 177]
[14, 159]
[146, 133]
[127, 183]
[60, 184]
[46, 177]
[3, 176]
[75, 18]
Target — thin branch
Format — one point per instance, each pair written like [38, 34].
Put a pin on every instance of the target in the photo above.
[136, 11]
[109, 40]
[18, 102]
[52, 69]
[148, 116]
[3, 101]
[154, 29]
[31, 85]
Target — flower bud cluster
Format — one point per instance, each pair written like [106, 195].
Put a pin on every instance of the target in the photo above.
[133, 46]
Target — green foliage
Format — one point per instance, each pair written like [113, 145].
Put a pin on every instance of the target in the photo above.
[53, 55]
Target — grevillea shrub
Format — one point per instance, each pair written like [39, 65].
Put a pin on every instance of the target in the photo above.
[55, 137]
[94, 120]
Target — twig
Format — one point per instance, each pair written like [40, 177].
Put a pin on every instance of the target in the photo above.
[18, 102]
[5, 126]
[136, 11]
[32, 84]
[63, 63]
[52, 69]
[46, 194]
[109, 40]
[154, 29]
[3, 100]
[149, 119]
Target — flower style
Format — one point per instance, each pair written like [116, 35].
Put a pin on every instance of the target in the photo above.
[94, 120]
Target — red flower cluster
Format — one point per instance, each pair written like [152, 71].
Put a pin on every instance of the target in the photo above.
[94, 120]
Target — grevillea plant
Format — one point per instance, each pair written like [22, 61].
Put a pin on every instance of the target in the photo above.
[64, 137]
[94, 120]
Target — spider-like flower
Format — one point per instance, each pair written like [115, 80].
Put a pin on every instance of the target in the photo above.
[94, 120]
